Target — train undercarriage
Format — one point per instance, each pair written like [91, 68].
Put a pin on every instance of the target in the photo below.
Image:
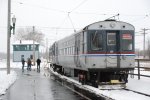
[96, 77]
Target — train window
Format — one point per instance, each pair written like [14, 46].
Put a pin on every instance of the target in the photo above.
[111, 38]
[69, 50]
[127, 42]
[73, 50]
[63, 51]
[96, 41]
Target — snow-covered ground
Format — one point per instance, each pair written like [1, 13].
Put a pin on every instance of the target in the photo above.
[142, 85]
[7, 80]
[144, 64]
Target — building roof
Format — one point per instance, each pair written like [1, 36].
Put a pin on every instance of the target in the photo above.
[24, 42]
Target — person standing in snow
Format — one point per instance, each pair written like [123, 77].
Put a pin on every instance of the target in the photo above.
[23, 62]
[29, 64]
[38, 64]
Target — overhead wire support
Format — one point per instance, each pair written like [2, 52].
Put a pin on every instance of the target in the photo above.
[144, 39]
[113, 17]
[78, 5]
[74, 10]
[71, 22]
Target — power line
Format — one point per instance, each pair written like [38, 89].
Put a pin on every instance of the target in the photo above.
[39, 6]
[78, 6]
[44, 27]
[68, 16]
[90, 13]
[73, 10]
[71, 22]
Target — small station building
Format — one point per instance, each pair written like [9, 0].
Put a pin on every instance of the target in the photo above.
[25, 49]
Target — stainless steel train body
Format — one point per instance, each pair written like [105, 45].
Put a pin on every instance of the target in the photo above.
[104, 49]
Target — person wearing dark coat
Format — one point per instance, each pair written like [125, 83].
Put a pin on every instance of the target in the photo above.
[29, 64]
[38, 61]
[23, 62]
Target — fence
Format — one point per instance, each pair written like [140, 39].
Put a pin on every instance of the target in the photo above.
[139, 68]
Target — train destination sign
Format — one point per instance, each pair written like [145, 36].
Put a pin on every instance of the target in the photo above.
[127, 36]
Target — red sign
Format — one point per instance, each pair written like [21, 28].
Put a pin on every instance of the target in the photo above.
[127, 36]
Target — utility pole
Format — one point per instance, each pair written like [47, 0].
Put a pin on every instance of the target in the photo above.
[33, 46]
[8, 36]
[144, 39]
[9, 28]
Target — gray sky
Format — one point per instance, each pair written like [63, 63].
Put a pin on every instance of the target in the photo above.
[47, 15]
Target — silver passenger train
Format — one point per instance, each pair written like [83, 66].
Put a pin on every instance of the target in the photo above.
[102, 51]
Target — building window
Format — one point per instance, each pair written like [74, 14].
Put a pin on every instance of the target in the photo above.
[28, 47]
[36, 47]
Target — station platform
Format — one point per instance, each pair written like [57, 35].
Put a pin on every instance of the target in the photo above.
[32, 85]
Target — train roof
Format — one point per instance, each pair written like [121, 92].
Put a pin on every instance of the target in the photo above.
[110, 25]
[105, 25]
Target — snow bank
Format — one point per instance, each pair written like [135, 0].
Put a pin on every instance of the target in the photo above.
[6, 80]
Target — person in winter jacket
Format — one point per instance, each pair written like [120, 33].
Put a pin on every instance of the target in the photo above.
[38, 61]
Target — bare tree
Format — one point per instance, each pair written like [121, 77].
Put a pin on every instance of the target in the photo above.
[30, 34]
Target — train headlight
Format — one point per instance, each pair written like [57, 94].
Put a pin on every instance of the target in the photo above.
[112, 25]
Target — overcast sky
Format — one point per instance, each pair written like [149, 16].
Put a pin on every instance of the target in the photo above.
[51, 16]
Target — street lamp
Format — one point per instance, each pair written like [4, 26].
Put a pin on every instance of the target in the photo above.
[9, 28]
[13, 27]
[13, 21]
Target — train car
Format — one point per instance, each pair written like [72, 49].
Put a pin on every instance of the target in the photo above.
[103, 52]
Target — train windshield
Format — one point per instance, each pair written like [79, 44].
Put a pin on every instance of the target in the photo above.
[96, 41]
[111, 38]
[127, 42]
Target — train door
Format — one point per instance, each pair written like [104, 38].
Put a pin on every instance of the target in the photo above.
[56, 53]
[112, 49]
[77, 50]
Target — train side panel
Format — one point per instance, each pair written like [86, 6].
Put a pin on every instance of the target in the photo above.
[65, 54]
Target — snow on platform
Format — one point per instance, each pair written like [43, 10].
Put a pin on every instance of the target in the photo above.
[6, 80]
